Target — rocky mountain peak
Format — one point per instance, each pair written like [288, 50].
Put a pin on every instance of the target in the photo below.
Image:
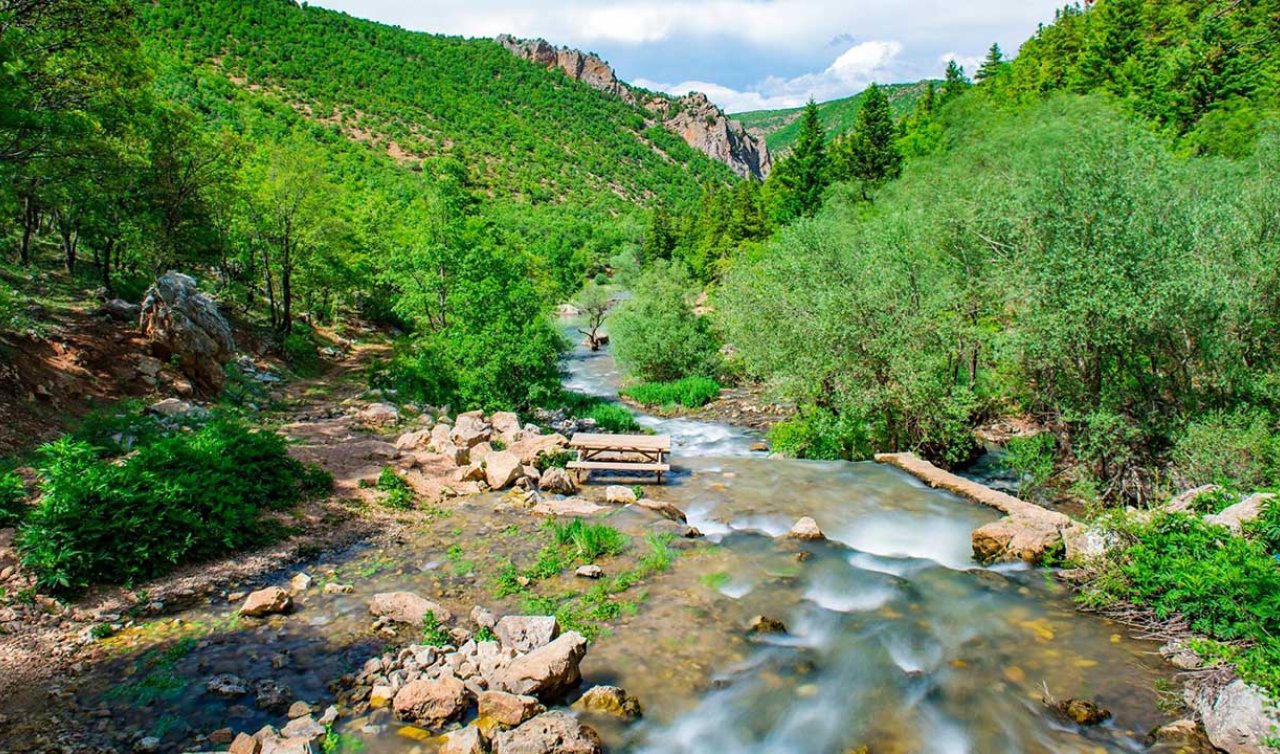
[693, 117]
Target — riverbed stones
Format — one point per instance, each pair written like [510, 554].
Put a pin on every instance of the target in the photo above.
[470, 430]
[269, 601]
[507, 426]
[619, 495]
[546, 672]
[272, 696]
[1238, 718]
[334, 588]
[299, 709]
[533, 446]
[431, 703]
[549, 733]
[381, 696]
[592, 571]
[763, 624]
[406, 607]
[301, 582]
[227, 686]
[557, 481]
[806, 530]
[245, 744]
[468, 740]
[664, 509]
[380, 415]
[525, 633]
[1015, 538]
[304, 727]
[1180, 737]
[483, 617]
[609, 700]
[508, 710]
[502, 468]
[1082, 711]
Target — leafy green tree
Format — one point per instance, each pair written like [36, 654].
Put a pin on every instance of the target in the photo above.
[656, 335]
[659, 240]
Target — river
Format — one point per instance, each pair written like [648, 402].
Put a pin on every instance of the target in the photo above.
[897, 641]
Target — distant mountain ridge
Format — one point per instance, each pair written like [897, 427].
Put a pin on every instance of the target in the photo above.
[779, 128]
[693, 117]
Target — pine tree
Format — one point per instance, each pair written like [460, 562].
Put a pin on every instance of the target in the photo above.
[992, 66]
[955, 83]
[870, 153]
[659, 239]
[805, 174]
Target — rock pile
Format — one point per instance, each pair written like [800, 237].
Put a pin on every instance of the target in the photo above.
[184, 324]
[508, 682]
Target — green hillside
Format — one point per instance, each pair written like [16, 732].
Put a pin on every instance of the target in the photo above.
[533, 136]
[781, 127]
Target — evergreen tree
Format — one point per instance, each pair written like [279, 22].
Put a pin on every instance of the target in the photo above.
[992, 66]
[955, 82]
[659, 239]
[870, 153]
[805, 173]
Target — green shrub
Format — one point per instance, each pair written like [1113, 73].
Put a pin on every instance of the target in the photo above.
[434, 632]
[1239, 450]
[399, 493]
[1031, 459]
[548, 459]
[690, 392]
[608, 416]
[1225, 587]
[1267, 526]
[186, 497]
[300, 350]
[589, 540]
[417, 371]
[821, 435]
[656, 336]
[13, 499]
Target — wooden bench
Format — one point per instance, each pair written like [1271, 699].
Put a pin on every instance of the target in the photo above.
[598, 452]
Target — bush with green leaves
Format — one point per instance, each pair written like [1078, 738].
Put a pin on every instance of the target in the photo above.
[181, 498]
[553, 459]
[655, 334]
[690, 392]
[13, 499]
[1226, 587]
[1031, 458]
[608, 416]
[821, 435]
[300, 350]
[1239, 449]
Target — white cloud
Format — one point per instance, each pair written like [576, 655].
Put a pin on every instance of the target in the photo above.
[850, 73]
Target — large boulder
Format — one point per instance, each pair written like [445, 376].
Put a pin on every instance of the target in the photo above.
[530, 448]
[506, 425]
[546, 672]
[549, 733]
[1235, 517]
[557, 481]
[525, 633]
[432, 703]
[1238, 718]
[468, 740]
[184, 324]
[502, 468]
[269, 601]
[619, 495]
[406, 607]
[1015, 538]
[611, 701]
[806, 529]
[470, 430]
[508, 710]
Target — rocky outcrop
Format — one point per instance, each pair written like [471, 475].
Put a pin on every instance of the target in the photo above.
[549, 733]
[548, 671]
[1236, 516]
[184, 324]
[431, 703]
[693, 117]
[406, 607]
[1238, 718]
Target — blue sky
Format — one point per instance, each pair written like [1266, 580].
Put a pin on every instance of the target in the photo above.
[745, 54]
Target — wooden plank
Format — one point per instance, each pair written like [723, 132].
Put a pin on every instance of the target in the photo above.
[610, 442]
[618, 466]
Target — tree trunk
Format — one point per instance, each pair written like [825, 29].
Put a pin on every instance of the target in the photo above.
[106, 265]
[286, 285]
[30, 221]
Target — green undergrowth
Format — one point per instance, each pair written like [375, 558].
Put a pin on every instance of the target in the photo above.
[13, 499]
[397, 492]
[1226, 588]
[180, 495]
[589, 541]
[608, 416]
[690, 392]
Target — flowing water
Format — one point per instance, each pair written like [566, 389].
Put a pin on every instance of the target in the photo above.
[896, 640]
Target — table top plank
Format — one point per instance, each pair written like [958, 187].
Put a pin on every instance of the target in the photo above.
[592, 441]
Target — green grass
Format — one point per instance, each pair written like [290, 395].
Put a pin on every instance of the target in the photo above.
[434, 633]
[608, 416]
[690, 392]
[399, 495]
[589, 540]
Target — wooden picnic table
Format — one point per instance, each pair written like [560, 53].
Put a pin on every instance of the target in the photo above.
[601, 452]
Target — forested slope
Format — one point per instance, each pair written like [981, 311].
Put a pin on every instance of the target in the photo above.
[782, 127]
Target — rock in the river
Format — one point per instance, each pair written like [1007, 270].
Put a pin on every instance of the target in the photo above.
[609, 700]
[762, 624]
[664, 509]
[483, 617]
[1238, 718]
[546, 672]
[525, 633]
[407, 607]
[557, 481]
[1180, 737]
[502, 469]
[334, 587]
[1235, 517]
[806, 529]
[381, 696]
[509, 710]
[549, 733]
[227, 686]
[299, 709]
[617, 494]
[267, 601]
[184, 324]
[304, 727]
[468, 740]
[273, 696]
[1016, 538]
[589, 571]
[431, 703]
[301, 582]
[245, 744]
[1082, 711]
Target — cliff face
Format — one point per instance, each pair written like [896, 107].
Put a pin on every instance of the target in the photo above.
[692, 117]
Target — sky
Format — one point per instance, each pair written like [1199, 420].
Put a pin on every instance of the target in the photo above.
[744, 54]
